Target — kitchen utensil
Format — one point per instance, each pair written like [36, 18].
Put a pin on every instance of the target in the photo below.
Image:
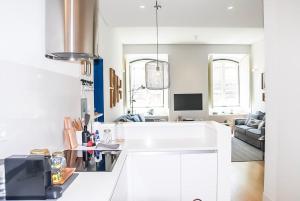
[86, 119]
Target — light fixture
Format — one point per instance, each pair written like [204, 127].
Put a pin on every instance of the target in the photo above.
[157, 71]
[142, 6]
[230, 7]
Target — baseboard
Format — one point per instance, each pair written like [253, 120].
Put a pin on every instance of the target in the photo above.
[266, 198]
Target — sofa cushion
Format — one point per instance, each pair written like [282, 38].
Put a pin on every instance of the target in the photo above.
[253, 123]
[260, 115]
[242, 128]
[254, 133]
[261, 124]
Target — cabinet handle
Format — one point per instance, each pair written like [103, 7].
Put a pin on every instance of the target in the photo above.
[197, 199]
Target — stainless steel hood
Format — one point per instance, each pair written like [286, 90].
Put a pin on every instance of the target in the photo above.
[71, 27]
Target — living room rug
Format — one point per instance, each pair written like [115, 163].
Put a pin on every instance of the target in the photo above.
[243, 152]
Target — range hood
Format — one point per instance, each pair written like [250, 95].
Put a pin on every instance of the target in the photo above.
[71, 27]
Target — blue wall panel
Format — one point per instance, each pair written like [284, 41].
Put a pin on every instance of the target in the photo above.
[99, 88]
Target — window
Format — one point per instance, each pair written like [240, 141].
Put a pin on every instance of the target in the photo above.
[139, 99]
[225, 83]
[229, 84]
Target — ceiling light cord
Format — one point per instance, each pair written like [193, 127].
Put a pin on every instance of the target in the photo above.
[157, 7]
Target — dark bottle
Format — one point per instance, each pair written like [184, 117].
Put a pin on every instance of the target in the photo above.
[85, 136]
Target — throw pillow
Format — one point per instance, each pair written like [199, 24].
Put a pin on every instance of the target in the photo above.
[261, 124]
[253, 123]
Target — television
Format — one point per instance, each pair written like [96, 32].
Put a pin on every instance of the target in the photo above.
[187, 102]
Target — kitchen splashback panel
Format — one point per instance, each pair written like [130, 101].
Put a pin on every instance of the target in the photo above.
[33, 104]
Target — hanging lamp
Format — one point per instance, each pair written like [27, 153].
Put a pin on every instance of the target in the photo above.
[157, 71]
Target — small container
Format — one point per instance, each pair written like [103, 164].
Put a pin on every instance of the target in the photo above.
[97, 137]
[43, 152]
[58, 164]
[107, 137]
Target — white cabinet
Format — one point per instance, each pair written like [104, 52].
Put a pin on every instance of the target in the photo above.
[199, 177]
[154, 177]
[121, 190]
[173, 176]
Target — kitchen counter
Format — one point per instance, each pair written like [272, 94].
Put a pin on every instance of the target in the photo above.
[100, 186]
[103, 183]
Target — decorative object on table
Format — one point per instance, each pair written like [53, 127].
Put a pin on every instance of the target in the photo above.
[115, 88]
[157, 72]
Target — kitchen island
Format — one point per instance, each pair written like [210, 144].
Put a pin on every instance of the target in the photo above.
[162, 161]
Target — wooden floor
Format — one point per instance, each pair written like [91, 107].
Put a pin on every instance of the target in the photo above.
[247, 179]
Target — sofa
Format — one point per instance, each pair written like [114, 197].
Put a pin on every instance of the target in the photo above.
[251, 130]
[131, 118]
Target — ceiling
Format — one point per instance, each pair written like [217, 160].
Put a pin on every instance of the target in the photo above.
[188, 35]
[186, 21]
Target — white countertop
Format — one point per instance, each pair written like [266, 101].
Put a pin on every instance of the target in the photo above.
[99, 186]
[103, 183]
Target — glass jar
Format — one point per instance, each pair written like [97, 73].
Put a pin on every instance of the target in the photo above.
[107, 137]
[58, 164]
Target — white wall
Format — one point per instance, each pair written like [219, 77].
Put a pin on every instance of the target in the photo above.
[282, 165]
[188, 69]
[36, 93]
[111, 50]
[258, 67]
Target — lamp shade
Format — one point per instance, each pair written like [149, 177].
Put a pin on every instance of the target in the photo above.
[157, 75]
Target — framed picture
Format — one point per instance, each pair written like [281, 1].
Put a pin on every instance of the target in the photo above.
[115, 87]
[263, 81]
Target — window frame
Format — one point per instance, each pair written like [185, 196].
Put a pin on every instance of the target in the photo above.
[166, 92]
[212, 83]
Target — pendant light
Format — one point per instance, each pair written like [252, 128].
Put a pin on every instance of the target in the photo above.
[157, 72]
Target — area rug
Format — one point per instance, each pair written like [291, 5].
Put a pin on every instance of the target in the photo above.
[243, 152]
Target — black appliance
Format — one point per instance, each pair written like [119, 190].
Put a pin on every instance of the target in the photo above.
[91, 160]
[28, 177]
[188, 102]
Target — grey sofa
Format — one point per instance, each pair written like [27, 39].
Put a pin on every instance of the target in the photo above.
[252, 134]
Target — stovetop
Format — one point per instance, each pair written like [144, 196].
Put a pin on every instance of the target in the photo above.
[91, 160]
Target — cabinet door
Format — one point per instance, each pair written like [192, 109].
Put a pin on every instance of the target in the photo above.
[199, 177]
[154, 177]
[121, 190]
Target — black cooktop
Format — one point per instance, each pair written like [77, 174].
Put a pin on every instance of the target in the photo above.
[91, 160]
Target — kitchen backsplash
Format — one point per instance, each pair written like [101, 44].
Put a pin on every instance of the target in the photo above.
[33, 105]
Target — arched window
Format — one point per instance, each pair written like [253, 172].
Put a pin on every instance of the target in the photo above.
[225, 83]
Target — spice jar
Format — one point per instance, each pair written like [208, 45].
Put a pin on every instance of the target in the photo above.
[58, 164]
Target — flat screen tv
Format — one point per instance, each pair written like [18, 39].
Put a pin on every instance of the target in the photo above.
[187, 102]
